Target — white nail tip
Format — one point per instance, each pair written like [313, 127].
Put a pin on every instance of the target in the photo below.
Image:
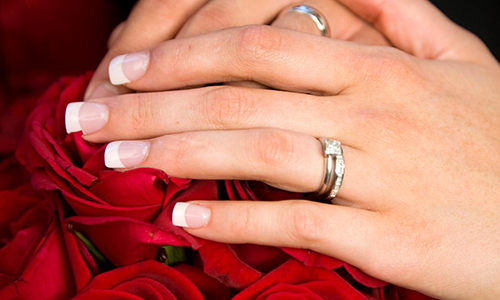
[116, 74]
[71, 118]
[179, 214]
[111, 157]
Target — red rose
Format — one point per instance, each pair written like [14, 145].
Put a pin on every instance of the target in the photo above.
[208, 286]
[128, 241]
[76, 168]
[144, 280]
[118, 211]
[34, 261]
[293, 280]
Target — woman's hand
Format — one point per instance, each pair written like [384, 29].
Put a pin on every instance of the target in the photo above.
[419, 205]
[152, 22]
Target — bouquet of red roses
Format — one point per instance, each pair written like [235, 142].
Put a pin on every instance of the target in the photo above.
[80, 230]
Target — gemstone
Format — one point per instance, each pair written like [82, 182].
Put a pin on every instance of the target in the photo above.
[339, 166]
[332, 147]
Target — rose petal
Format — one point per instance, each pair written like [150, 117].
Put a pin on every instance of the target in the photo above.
[209, 287]
[125, 241]
[294, 273]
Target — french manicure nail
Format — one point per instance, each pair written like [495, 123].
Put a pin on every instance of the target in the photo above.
[103, 90]
[128, 67]
[190, 215]
[86, 117]
[125, 154]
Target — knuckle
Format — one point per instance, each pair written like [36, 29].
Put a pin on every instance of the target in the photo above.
[257, 44]
[115, 34]
[214, 16]
[243, 224]
[226, 107]
[395, 67]
[274, 149]
[393, 121]
[175, 153]
[307, 225]
[173, 58]
[143, 114]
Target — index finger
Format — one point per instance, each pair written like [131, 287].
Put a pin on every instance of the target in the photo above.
[150, 22]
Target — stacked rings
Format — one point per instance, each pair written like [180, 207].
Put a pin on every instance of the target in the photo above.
[334, 169]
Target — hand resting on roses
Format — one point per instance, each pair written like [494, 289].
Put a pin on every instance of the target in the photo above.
[420, 127]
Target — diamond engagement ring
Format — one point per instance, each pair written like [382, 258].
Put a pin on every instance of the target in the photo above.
[314, 15]
[334, 169]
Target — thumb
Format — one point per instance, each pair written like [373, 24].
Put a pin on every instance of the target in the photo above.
[419, 28]
[342, 232]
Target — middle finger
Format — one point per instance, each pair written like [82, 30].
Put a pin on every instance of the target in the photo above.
[139, 116]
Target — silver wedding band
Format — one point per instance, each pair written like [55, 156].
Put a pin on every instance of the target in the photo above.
[314, 15]
[334, 169]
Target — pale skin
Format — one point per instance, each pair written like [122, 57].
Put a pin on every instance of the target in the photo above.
[420, 128]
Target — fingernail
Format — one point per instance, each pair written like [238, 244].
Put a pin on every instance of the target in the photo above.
[125, 154]
[103, 90]
[128, 67]
[190, 215]
[86, 117]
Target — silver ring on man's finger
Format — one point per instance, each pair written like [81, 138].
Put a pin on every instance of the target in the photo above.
[314, 15]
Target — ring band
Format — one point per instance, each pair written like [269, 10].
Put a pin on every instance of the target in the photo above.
[314, 15]
[334, 169]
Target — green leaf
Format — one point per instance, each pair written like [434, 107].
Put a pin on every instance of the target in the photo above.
[171, 255]
[91, 248]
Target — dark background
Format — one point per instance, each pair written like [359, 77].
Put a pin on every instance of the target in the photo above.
[482, 17]
[41, 40]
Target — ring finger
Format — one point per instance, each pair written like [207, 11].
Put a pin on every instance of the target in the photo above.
[142, 116]
[283, 159]
[341, 22]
